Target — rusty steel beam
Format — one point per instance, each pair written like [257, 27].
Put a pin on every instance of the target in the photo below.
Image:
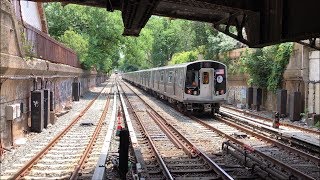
[312, 42]
[266, 22]
[135, 15]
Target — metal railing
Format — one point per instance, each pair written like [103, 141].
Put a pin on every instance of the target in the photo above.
[42, 46]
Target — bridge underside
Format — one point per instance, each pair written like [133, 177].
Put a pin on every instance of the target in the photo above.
[257, 23]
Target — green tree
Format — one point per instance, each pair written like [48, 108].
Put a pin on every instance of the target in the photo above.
[76, 42]
[266, 66]
[183, 57]
[169, 37]
[160, 40]
[102, 31]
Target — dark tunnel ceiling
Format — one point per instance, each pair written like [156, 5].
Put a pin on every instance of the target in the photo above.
[258, 22]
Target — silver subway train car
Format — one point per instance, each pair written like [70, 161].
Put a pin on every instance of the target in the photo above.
[195, 86]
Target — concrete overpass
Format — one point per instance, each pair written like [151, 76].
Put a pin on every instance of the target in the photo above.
[258, 22]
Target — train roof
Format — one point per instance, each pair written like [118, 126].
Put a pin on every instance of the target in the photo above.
[177, 65]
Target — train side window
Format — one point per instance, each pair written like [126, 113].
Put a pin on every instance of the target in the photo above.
[170, 76]
[161, 76]
[205, 78]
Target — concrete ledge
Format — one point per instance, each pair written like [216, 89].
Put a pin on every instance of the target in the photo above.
[17, 66]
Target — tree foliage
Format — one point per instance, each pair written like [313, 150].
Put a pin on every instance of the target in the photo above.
[95, 35]
[99, 30]
[76, 42]
[183, 57]
[266, 66]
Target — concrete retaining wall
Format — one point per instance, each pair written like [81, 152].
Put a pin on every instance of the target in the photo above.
[18, 80]
[18, 77]
[236, 85]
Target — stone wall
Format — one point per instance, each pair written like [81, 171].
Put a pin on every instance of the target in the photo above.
[10, 30]
[236, 85]
[20, 76]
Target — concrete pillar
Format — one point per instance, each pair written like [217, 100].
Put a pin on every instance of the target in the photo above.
[314, 78]
[311, 98]
[317, 98]
[314, 65]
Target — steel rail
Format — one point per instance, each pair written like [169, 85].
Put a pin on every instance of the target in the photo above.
[271, 120]
[167, 128]
[164, 167]
[251, 149]
[193, 148]
[297, 151]
[39, 155]
[256, 164]
[264, 127]
[90, 145]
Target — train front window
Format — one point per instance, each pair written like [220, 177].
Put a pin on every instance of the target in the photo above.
[205, 78]
[192, 78]
[192, 82]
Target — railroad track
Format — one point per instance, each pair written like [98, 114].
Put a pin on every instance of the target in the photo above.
[265, 119]
[65, 156]
[293, 162]
[302, 138]
[179, 156]
[285, 164]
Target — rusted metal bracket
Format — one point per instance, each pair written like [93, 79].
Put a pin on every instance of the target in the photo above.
[247, 29]
[312, 42]
[135, 15]
[109, 6]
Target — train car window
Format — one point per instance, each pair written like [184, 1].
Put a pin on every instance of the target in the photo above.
[205, 78]
[161, 76]
[170, 76]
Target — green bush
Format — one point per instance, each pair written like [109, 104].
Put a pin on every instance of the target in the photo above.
[266, 66]
[185, 56]
[76, 42]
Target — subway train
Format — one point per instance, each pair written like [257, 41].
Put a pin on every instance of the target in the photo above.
[198, 86]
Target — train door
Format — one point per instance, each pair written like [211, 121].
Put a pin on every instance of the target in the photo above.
[206, 82]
